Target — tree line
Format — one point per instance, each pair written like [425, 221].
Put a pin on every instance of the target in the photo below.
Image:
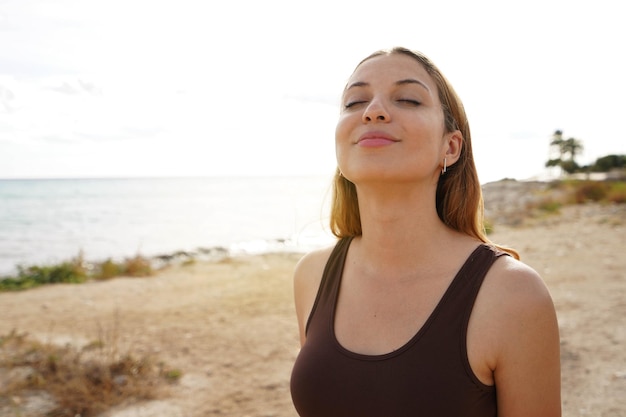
[566, 151]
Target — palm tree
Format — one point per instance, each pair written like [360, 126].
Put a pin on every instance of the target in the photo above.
[565, 147]
[556, 144]
[572, 147]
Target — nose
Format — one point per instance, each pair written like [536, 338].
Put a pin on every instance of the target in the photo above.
[376, 111]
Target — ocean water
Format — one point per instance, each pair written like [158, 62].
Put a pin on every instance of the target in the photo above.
[53, 220]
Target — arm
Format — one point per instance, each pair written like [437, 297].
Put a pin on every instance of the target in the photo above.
[527, 363]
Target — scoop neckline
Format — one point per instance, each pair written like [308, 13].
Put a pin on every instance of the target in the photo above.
[418, 334]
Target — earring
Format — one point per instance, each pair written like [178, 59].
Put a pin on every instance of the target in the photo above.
[445, 167]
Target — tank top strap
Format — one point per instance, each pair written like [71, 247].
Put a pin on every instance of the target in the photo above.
[455, 308]
[471, 276]
[477, 269]
[331, 279]
[430, 375]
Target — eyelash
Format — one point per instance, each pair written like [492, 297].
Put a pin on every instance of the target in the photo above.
[352, 104]
[409, 101]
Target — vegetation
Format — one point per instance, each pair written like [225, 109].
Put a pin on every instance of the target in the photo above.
[608, 163]
[82, 382]
[544, 200]
[598, 191]
[565, 152]
[567, 192]
[75, 271]
[549, 205]
[488, 226]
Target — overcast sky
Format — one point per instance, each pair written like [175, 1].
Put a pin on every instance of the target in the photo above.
[113, 88]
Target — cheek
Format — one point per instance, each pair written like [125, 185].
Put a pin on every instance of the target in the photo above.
[341, 138]
[341, 130]
[339, 144]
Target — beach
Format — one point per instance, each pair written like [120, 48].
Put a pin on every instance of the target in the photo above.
[230, 327]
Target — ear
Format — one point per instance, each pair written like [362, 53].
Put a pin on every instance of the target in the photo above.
[453, 145]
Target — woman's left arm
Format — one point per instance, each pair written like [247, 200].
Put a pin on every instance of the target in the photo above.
[527, 371]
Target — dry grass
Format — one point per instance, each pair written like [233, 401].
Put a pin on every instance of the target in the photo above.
[585, 191]
[542, 200]
[76, 382]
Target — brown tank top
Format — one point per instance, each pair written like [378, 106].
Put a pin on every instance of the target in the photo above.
[429, 376]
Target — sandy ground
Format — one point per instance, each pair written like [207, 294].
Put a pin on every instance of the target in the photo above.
[230, 326]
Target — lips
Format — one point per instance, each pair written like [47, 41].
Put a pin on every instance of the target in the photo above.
[375, 140]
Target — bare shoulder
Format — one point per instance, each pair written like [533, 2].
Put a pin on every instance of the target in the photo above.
[515, 295]
[307, 277]
[516, 310]
[515, 285]
[514, 307]
[309, 269]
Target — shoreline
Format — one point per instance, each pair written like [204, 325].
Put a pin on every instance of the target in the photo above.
[200, 254]
[506, 201]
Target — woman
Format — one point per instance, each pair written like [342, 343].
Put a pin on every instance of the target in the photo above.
[414, 312]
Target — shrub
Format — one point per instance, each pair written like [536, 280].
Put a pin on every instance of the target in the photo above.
[590, 191]
[27, 277]
[172, 375]
[75, 272]
[488, 226]
[549, 205]
[608, 162]
[617, 192]
[137, 266]
[80, 381]
[109, 269]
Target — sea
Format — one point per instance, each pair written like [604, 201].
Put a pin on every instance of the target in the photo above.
[47, 221]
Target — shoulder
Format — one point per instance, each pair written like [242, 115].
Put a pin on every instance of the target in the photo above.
[514, 285]
[307, 278]
[516, 298]
[513, 306]
[526, 359]
[517, 313]
[310, 268]
[513, 309]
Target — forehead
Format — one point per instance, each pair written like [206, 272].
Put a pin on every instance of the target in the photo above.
[388, 69]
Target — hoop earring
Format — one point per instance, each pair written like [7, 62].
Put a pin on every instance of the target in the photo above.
[445, 167]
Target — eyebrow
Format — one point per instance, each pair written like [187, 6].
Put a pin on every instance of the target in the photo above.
[412, 81]
[400, 82]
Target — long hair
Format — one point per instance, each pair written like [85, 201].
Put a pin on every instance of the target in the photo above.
[459, 199]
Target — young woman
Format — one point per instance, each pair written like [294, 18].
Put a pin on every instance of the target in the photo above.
[414, 312]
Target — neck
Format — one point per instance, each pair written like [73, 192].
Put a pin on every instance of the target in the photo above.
[401, 228]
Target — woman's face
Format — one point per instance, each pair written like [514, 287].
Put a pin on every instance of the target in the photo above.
[391, 124]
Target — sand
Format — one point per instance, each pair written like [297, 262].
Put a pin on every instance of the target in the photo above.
[230, 327]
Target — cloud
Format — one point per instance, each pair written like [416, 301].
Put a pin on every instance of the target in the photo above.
[6, 97]
[65, 88]
[245, 89]
[84, 133]
[144, 131]
[78, 87]
[56, 139]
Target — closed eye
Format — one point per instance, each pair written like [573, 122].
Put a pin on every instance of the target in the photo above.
[409, 101]
[353, 104]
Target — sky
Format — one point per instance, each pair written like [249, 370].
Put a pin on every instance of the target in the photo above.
[144, 88]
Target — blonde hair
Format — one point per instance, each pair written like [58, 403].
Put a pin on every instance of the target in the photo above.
[459, 199]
